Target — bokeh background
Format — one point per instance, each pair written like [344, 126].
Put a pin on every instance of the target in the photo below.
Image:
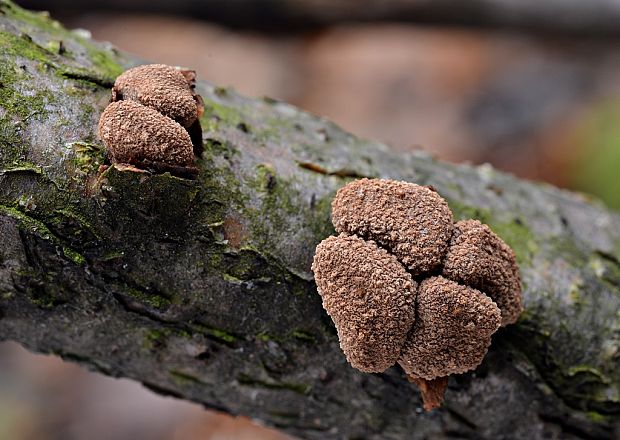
[535, 92]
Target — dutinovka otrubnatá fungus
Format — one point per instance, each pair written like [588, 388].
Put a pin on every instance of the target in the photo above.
[152, 122]
[402, 282]
[405, 284]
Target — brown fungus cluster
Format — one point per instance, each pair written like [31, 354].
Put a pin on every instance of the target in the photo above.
[405, 284]
[152, 121]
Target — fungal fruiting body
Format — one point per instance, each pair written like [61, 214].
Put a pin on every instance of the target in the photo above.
[163, 88]
[453, 329]
[152, 120]
[479, 258]
[404, 283]
[142, 136]
[371, 297]
[412, 222]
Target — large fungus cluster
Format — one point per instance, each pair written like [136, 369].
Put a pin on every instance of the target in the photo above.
[405, 284]
[152, 120]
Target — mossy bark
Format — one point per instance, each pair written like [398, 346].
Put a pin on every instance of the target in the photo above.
[202, 288]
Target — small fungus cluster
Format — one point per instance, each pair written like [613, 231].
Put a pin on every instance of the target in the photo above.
[405, 284]
[152, 121]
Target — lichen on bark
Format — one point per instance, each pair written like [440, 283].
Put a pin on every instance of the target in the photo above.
[202, 288]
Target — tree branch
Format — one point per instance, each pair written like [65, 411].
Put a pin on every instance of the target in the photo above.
[202, 288]
[593, 17]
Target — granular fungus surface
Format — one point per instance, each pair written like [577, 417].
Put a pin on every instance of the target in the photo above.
[152, 122]
[405, 284]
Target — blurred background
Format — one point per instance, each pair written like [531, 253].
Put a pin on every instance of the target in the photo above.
[531, 87]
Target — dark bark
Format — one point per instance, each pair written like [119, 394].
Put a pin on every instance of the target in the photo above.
[592, 17]
[202, 288]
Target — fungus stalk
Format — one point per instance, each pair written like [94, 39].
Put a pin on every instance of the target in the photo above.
[432, 391]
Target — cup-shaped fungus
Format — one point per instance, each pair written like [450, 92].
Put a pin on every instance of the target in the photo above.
[413, 222]
[152, 122]
[162, 87]
[479, 258]
[452, 332]
[370, 297]
[391, 232]
[142, 136]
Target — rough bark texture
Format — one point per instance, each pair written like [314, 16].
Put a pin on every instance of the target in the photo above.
[202, 289]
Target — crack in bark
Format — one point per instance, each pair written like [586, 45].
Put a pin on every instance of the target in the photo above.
[343, 172]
